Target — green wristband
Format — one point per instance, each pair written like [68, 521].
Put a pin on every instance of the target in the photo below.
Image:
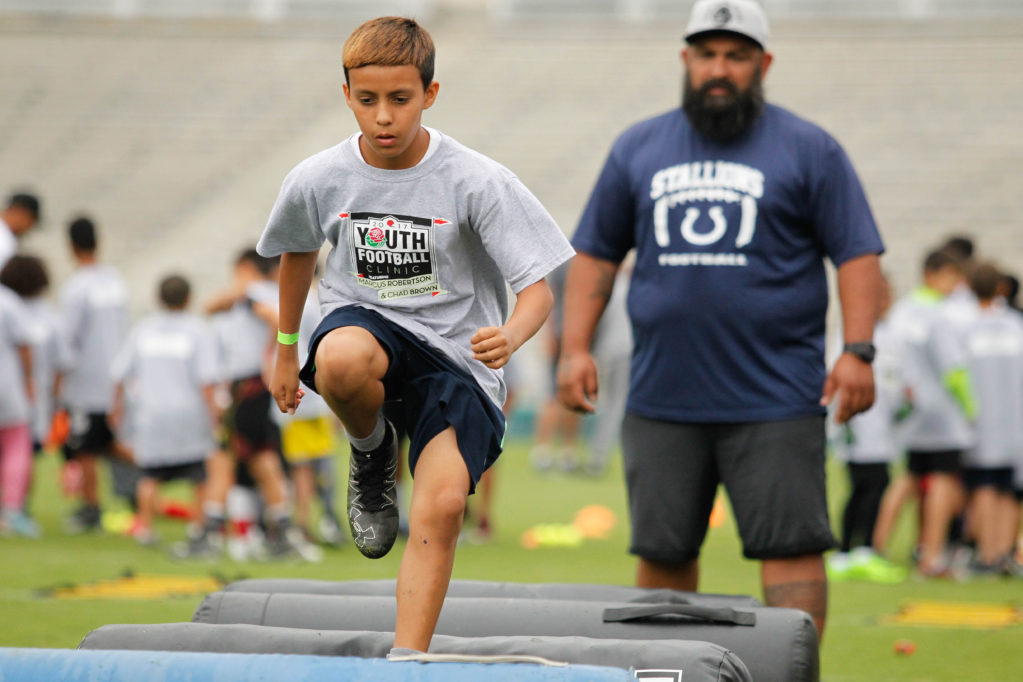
[287, 339]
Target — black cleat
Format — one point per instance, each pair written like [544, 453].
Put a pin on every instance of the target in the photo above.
[372, 496]
[85, 519]
[207, 545]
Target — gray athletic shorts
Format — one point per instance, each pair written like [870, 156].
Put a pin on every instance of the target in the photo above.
[773, 473]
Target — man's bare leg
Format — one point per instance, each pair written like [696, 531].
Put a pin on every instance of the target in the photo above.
[797, 583]
[683, 576]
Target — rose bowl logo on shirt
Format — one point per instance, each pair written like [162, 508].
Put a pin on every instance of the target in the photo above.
[375, 237]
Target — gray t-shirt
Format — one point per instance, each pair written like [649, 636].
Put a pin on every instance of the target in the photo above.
[245, 336]
[165, 363]
[49, 357]
[931, 347]
[14, 407]
[94, 313]
[870, 437]
[429, 247]
[8, 243]
[994, 351]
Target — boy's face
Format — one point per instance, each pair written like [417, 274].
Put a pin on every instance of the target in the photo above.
[388, 102]
[944, 280]
[245, 273]
[19, 220]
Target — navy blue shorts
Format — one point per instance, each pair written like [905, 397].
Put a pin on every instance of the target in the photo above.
[999, 478]
[433, 391]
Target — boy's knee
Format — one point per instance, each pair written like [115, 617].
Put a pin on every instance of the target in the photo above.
[347, 360]
[446, 507]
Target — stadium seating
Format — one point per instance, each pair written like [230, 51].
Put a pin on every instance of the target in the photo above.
[177, 134]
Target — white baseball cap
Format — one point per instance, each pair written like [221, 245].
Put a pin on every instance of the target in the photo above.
[745, 17]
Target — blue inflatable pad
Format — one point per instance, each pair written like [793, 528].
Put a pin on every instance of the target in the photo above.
[71, 665]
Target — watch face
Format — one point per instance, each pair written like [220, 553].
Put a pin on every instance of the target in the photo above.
[864, 351]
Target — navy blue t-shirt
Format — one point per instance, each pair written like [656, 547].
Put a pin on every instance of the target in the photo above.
[729, 295]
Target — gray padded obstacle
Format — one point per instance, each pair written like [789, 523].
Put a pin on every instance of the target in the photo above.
[483, 588]
[775, 644]
[700, 661]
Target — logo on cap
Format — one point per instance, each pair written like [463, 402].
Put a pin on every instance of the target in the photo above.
[722, 15]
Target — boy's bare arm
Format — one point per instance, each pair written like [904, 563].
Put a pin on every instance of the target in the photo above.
[268, 314]
[209, 396]
[296, 275]
[25, 355]
[223, 301]
[493, 346]
[588, 288]
[117, 407]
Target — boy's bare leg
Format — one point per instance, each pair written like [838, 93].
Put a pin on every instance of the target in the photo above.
[265, 467]
[942, 502]
[200, 500]
[683, 576]
[146, 491]
[219, 478]
[983, 514]
[435, 519]
[90, 479]
[305, 489]
[797, 583]
[1008, 523]
[895, 497]
[350, 367]
[1014, 524]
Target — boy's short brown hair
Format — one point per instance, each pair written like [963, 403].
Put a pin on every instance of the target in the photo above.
[174, 292]
[25, 275]
[390, 41]
[984, 280]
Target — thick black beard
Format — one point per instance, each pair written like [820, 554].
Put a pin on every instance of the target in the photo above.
[723, 123]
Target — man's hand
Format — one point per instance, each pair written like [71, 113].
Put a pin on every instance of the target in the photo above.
[284, 384]
[577, 382]
[853, 381]
[493, 346]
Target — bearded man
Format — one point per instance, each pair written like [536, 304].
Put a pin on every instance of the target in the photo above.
[732, 205]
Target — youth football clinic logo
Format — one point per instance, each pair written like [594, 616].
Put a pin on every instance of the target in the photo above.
[717, 198]
[394, 254]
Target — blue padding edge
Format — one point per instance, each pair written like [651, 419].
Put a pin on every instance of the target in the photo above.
[73, 665]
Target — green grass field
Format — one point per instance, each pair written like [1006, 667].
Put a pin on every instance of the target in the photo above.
[858, 645]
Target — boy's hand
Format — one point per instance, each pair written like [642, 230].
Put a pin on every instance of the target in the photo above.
[284, 384]
[493, 346]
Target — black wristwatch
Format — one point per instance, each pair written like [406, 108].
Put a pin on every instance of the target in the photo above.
[864, 350]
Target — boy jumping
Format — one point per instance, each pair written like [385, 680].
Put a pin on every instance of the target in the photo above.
[425, 234]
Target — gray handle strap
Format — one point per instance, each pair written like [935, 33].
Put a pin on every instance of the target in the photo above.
[708, 614]
[660, 597]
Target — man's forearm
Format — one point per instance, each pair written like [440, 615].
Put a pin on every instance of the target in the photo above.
[859, 289]
[588, 288]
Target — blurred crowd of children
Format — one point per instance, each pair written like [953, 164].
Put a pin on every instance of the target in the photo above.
[949, 404]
